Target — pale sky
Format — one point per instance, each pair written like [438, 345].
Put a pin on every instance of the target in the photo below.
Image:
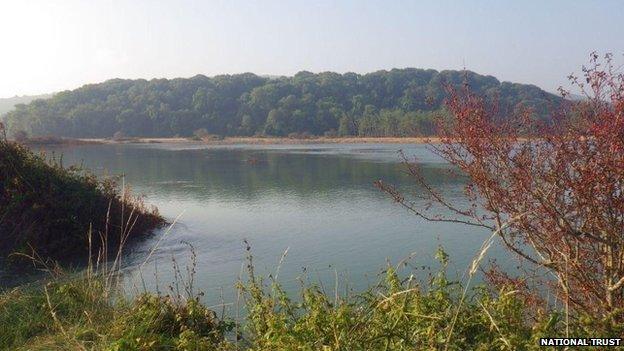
[48, 45]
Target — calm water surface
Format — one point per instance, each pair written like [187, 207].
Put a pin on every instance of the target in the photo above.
[317, 201]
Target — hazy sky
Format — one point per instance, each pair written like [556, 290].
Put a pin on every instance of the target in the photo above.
[55, 45]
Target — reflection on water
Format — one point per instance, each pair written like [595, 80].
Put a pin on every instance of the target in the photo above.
[317, 201]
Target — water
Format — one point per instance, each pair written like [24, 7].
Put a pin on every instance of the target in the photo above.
[317, 201]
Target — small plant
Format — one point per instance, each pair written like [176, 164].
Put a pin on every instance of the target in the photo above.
[157, 322]
[400, 313]
[89, 311]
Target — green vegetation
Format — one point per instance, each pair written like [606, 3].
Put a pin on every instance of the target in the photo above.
[90, 311]
[400, 313]
[8, 104]
[399, 102]
[49, 209]
[82, 314]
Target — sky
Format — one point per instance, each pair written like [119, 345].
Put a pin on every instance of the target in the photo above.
[48, 45]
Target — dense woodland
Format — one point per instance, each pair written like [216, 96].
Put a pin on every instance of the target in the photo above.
[400, 102]
[8, 104]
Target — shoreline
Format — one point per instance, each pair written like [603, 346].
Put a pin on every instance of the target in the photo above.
[270, 140]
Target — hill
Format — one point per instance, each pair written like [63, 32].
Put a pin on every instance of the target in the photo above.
[398, 102]
[8, 104]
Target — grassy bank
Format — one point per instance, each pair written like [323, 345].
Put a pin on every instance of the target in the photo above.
[83, 314]
[399, 313]
[47, 209]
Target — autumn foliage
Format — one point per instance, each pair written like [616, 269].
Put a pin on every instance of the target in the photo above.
[553, 190]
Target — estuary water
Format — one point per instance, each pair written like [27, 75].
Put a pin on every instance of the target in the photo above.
[317, 202]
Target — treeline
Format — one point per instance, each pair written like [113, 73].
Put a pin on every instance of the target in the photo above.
[8, 104]
[400, 102]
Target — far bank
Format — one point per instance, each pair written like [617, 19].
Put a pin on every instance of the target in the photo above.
[270, 140]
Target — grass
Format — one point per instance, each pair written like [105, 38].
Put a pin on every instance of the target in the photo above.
[80, 315]
[400, 313]
[82, 312]
[46, 208]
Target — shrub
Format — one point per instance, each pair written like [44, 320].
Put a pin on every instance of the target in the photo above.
[156, 322]
[119, 135]
[552, 192]
[400, 313]
[55, 210]
[201, 133]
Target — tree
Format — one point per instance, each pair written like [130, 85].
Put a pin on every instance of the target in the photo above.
[553, 193]
[276, 123]
[247, 126]
[346, 126]
[312, 103]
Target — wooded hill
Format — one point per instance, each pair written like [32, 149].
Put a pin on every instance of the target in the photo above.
[398, 102]
[8, 104]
